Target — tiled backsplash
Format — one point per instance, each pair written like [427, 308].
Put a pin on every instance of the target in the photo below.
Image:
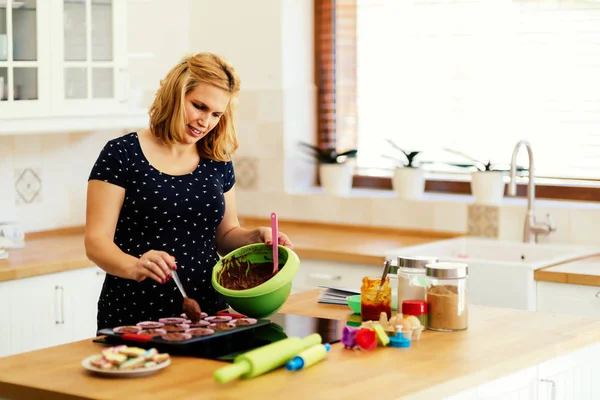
[575, 222]
[43, 178]
[483, 220]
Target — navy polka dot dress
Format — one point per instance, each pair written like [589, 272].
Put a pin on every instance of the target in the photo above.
[176, 214]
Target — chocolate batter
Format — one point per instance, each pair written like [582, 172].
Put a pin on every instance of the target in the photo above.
[191, 308]
[241, 275]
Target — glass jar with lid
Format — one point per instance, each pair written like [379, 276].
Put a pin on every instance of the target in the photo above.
[412, 280]
[447, 296]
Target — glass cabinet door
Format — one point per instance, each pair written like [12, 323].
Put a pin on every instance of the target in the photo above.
[89, 66]
[19, 61]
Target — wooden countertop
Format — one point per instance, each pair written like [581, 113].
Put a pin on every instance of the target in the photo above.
[63, 250]
[46, 253]
[585, 271]
[497, 343]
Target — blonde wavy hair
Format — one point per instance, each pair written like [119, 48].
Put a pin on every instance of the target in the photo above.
[167, 113]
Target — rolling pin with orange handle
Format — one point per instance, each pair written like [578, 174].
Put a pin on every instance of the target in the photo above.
[267, 358]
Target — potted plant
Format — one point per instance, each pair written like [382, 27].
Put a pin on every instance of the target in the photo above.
[487, 179]
[335, 169]
[408, 179]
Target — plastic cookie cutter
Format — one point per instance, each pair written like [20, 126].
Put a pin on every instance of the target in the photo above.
[349, 337]
[366, 339]
[399, 341]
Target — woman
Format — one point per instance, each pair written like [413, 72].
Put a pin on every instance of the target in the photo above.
[163, 199]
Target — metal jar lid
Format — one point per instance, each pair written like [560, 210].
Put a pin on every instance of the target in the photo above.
[447, 270]
[415, 262]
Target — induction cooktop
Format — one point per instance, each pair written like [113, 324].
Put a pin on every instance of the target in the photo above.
[225, 348]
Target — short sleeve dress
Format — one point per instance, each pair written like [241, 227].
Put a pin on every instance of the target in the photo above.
[176, 214]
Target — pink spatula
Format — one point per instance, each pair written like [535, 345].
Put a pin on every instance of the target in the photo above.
[275, 239]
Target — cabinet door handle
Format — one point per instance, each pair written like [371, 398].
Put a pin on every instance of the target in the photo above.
[326, 277]
[598, 294]
[60, 309]
[552, 386]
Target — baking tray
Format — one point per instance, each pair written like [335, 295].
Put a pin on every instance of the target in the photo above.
[212, 346]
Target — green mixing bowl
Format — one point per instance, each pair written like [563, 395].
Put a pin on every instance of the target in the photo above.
[267, 298]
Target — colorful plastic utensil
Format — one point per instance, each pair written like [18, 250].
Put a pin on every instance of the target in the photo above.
[275, 239]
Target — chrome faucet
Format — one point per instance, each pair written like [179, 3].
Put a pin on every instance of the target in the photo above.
[532, 228]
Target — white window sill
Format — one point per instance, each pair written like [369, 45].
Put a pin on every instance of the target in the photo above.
[432, 197]
[64, 124]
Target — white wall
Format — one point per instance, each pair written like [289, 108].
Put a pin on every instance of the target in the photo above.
[270, 44]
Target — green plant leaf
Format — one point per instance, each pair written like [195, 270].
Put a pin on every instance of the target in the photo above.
[349, 153]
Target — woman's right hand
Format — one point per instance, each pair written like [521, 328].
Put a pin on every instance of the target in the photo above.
[155, 265]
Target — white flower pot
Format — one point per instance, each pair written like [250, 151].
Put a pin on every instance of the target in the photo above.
[409, 183]
[488, 187]
[336, 179]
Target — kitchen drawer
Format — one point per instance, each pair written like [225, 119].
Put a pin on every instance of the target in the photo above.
[566, 298]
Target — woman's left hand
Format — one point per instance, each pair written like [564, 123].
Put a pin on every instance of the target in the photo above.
[264, 236]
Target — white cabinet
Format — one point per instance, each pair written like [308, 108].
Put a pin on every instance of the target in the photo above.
[521, 385]
[62, 58]
[49, 310]
[574, 376]
[314, 273]
[89, 57]
[566, 298]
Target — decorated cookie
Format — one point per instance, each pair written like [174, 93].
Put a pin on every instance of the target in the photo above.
[222, 326]
[199, 324]
[150, 325]
[133, 351]
[133, 363]
[176, 327]
[215, 319]
[100, 362]
[200, 332]
[173, 320]
[127, 329]
[176, 337]
[154, 332]
[244, 321]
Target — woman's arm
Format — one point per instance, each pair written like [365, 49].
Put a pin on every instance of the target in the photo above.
[231, 236]
[104, 202]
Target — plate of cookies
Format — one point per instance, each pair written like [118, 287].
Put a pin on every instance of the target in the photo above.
[126, 361]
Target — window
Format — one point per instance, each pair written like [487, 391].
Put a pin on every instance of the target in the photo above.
[474, 76]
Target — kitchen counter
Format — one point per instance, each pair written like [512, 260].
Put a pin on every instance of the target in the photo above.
[585, 271]
[46, 253]
[497, 343]
[63, 250]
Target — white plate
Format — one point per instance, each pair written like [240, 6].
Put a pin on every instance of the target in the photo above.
[128, 373]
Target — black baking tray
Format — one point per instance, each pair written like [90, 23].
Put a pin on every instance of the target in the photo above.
[211, 346]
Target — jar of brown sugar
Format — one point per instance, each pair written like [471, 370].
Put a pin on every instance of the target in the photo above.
[447, 296]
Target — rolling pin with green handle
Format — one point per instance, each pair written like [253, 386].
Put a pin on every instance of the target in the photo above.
[264, 359]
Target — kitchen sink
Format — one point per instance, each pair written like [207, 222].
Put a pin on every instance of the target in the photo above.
[500, 271]
[510, 253]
